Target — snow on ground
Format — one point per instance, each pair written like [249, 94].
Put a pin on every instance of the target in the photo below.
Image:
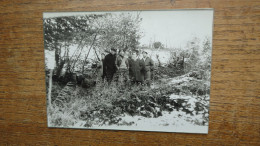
[175, 121]
[180, 79]
[174, 96]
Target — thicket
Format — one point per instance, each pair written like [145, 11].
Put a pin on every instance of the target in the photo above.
[104, 103]
[95, 32]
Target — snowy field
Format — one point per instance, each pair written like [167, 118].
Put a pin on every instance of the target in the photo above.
[175, 121]
[170, 121]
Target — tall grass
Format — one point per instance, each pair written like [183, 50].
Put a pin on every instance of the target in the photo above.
[104, 102]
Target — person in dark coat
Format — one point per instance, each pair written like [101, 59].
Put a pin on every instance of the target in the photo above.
[148, 68]
[110, 65]
[142, 65]
[135, 68]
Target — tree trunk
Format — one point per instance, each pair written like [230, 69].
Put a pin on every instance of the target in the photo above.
[60, 67]
[57, 59]
[57, 55]
[85, 60]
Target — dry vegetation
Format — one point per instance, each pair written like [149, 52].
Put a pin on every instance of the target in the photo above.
[103, 104]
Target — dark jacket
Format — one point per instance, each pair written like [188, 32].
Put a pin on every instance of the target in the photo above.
[109, 65]
[148, 63]
[136, 67]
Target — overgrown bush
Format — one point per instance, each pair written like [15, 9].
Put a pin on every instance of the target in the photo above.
[104, 103]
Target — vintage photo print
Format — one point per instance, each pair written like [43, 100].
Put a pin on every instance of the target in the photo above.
[129, 70]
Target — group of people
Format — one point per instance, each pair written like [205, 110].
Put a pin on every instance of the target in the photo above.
[125, 67]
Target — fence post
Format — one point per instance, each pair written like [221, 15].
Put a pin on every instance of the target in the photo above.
[50, 87]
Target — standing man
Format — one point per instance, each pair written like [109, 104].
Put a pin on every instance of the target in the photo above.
[135, 67]
[148, 68]
[110, 65]
[142, 65]
[122, 74]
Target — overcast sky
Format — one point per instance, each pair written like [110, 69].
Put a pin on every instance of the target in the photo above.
[172, 27]
[175, 28]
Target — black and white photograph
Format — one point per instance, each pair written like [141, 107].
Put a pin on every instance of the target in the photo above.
[129, 70]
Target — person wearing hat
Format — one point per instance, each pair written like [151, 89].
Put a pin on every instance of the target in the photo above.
[148, 68]
[135, 68]
[110, 65]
